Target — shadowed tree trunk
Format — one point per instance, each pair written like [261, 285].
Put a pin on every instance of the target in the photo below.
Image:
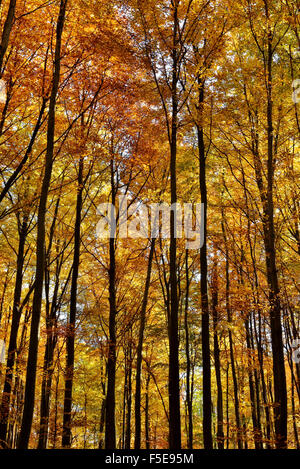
[231, 349]
[137, 441]
[266, 195]
[110, 425]
[6, 32]
[174, 391]
[70, 342]
[51, 324]
[214, 294]
[40, 245]
[129, 395]
[280, 394]
[12, 347]
[147, 422]
[189, 398]
[207, 404]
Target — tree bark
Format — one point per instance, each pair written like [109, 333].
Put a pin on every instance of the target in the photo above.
[6, 32]
[215, 314]
[189, 398]
[137, 441]
[40, 246]
[110, 425]
[12, 347]
[207, 404]
[174, 391]
[70, 342]
[231, 350]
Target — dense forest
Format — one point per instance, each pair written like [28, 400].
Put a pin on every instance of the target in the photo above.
[139, 339]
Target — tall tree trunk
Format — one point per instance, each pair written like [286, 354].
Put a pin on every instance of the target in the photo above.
[207, 404]
[296, 436]
[266, 194]
[6, 32]
[231, 350]
[137, 441]
[12, 179]
[48, 368]
[110, 425]
[215, 314]
[51, 323]
[256, 427]
[147, 423]
[12, 347]
[280, 393]
[129, 396]
[70, 341]
[189, 399]
[40, 245]
[174, 391]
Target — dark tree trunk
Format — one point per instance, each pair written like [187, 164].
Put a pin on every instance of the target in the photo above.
[40, 246]
[174, 391]
[12, 347]
[6, 32]
[18, 391]
[266, 194]
[51, 324]
[256, 427]
[48, 368]
[189, 399]
[147, 423]
[207, 404]
[280, 393]
[296, 436]
[110, 425]
[11, 180]
[215, 314]
[128, 397]
[137, 442]
[70, 340]
[231, 349]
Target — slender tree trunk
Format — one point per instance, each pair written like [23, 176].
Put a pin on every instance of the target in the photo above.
[51, 326]
[55, 425]
[17, 395]
[110, 425]
[227, 407]
[174, 391]
[48, 368]
[296, 436]
[70, 342]
[6, 32]
[280, 393]
[129, 398]
[188, 358]
[207, 404]
[12, 347]
[147, 423]
[4, 292]
[256, 428]
[215, 314]
[231, 350]
[40, 246]
[137, 441]
[266, 194]
[11, 180]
